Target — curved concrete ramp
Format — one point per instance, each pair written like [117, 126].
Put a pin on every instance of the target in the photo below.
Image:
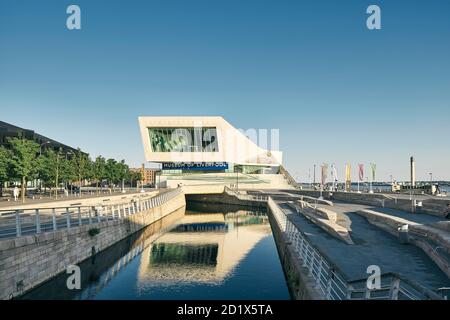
[323, 218]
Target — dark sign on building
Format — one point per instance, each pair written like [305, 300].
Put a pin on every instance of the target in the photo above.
[195, 166]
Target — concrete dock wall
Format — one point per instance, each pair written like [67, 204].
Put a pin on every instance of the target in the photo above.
[27, 261]
[223, 198]
[301, 285]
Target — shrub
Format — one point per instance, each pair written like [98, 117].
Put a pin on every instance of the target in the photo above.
[93, 232]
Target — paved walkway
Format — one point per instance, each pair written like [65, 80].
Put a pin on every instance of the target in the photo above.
[372, 247]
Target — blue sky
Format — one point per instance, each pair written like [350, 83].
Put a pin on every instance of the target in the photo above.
[337, 91]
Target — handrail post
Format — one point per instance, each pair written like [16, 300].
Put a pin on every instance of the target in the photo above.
[328, 292]
[55, 225]
[98, 212]
[79, 216]
[18, 226]
[113, 214]
[90, 215]
[38, 221]
[319, 272]
[68, 218]
[395, 288]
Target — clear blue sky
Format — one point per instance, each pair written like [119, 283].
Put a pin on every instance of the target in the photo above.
[337, 91]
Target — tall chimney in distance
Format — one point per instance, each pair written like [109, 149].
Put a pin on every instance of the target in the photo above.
[413, 172]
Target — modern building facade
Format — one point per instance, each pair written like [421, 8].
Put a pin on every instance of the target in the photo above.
[203, 144]
[206, 153]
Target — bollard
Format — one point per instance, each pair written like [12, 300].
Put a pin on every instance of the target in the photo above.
[79, 216]
[38, 221]
[18, 226]
[68, 218]
[403, 234]
[55, 226]
[113, 214]
[90, 215]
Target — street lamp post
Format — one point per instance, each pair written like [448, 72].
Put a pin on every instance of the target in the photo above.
[314, 175]
[71, 189]
[40, 154]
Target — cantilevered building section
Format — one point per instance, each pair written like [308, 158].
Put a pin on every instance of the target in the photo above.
[203, 144]
[208, 152]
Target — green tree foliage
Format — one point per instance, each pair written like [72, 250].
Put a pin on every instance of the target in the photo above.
[135, 177]
[111, 172]
[46, 172]
[123, 172]
[24, 161]
[51, 169]
[68, 169]
[5, 156]
[54, 167]
[81, 165]
[98, 170]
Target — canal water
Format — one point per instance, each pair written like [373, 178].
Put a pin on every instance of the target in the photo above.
[207, 252]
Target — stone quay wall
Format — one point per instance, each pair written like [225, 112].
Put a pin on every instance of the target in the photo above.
[27, 261]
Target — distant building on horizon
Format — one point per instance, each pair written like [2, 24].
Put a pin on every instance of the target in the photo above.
[148, 175]
[8, 130]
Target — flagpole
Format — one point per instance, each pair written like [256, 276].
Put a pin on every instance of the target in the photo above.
[373, 168]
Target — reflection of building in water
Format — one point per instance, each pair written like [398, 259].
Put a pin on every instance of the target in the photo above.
[202, 248]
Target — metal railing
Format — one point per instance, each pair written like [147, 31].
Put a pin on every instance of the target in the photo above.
[16, 223]
[332, 283]
[245, 197]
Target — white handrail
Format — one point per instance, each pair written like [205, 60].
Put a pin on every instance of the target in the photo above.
[16, 223]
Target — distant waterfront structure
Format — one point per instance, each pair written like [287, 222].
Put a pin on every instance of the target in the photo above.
[8, 130]
[413, 172]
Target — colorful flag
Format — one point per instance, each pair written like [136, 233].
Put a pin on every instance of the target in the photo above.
[373, 167]
[334, 172]
[348, 177]
[324, 173]
[361, 172]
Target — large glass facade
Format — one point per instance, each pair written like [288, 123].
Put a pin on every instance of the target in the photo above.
[183, 139]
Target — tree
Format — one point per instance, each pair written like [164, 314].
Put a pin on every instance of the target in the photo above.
[81, 163]
[5, 156]
[98, 170]
[54, 168]
[123, 172]
[135, 176]
[68, 170]
[111, 173]
[24, 160]
[45, 170]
